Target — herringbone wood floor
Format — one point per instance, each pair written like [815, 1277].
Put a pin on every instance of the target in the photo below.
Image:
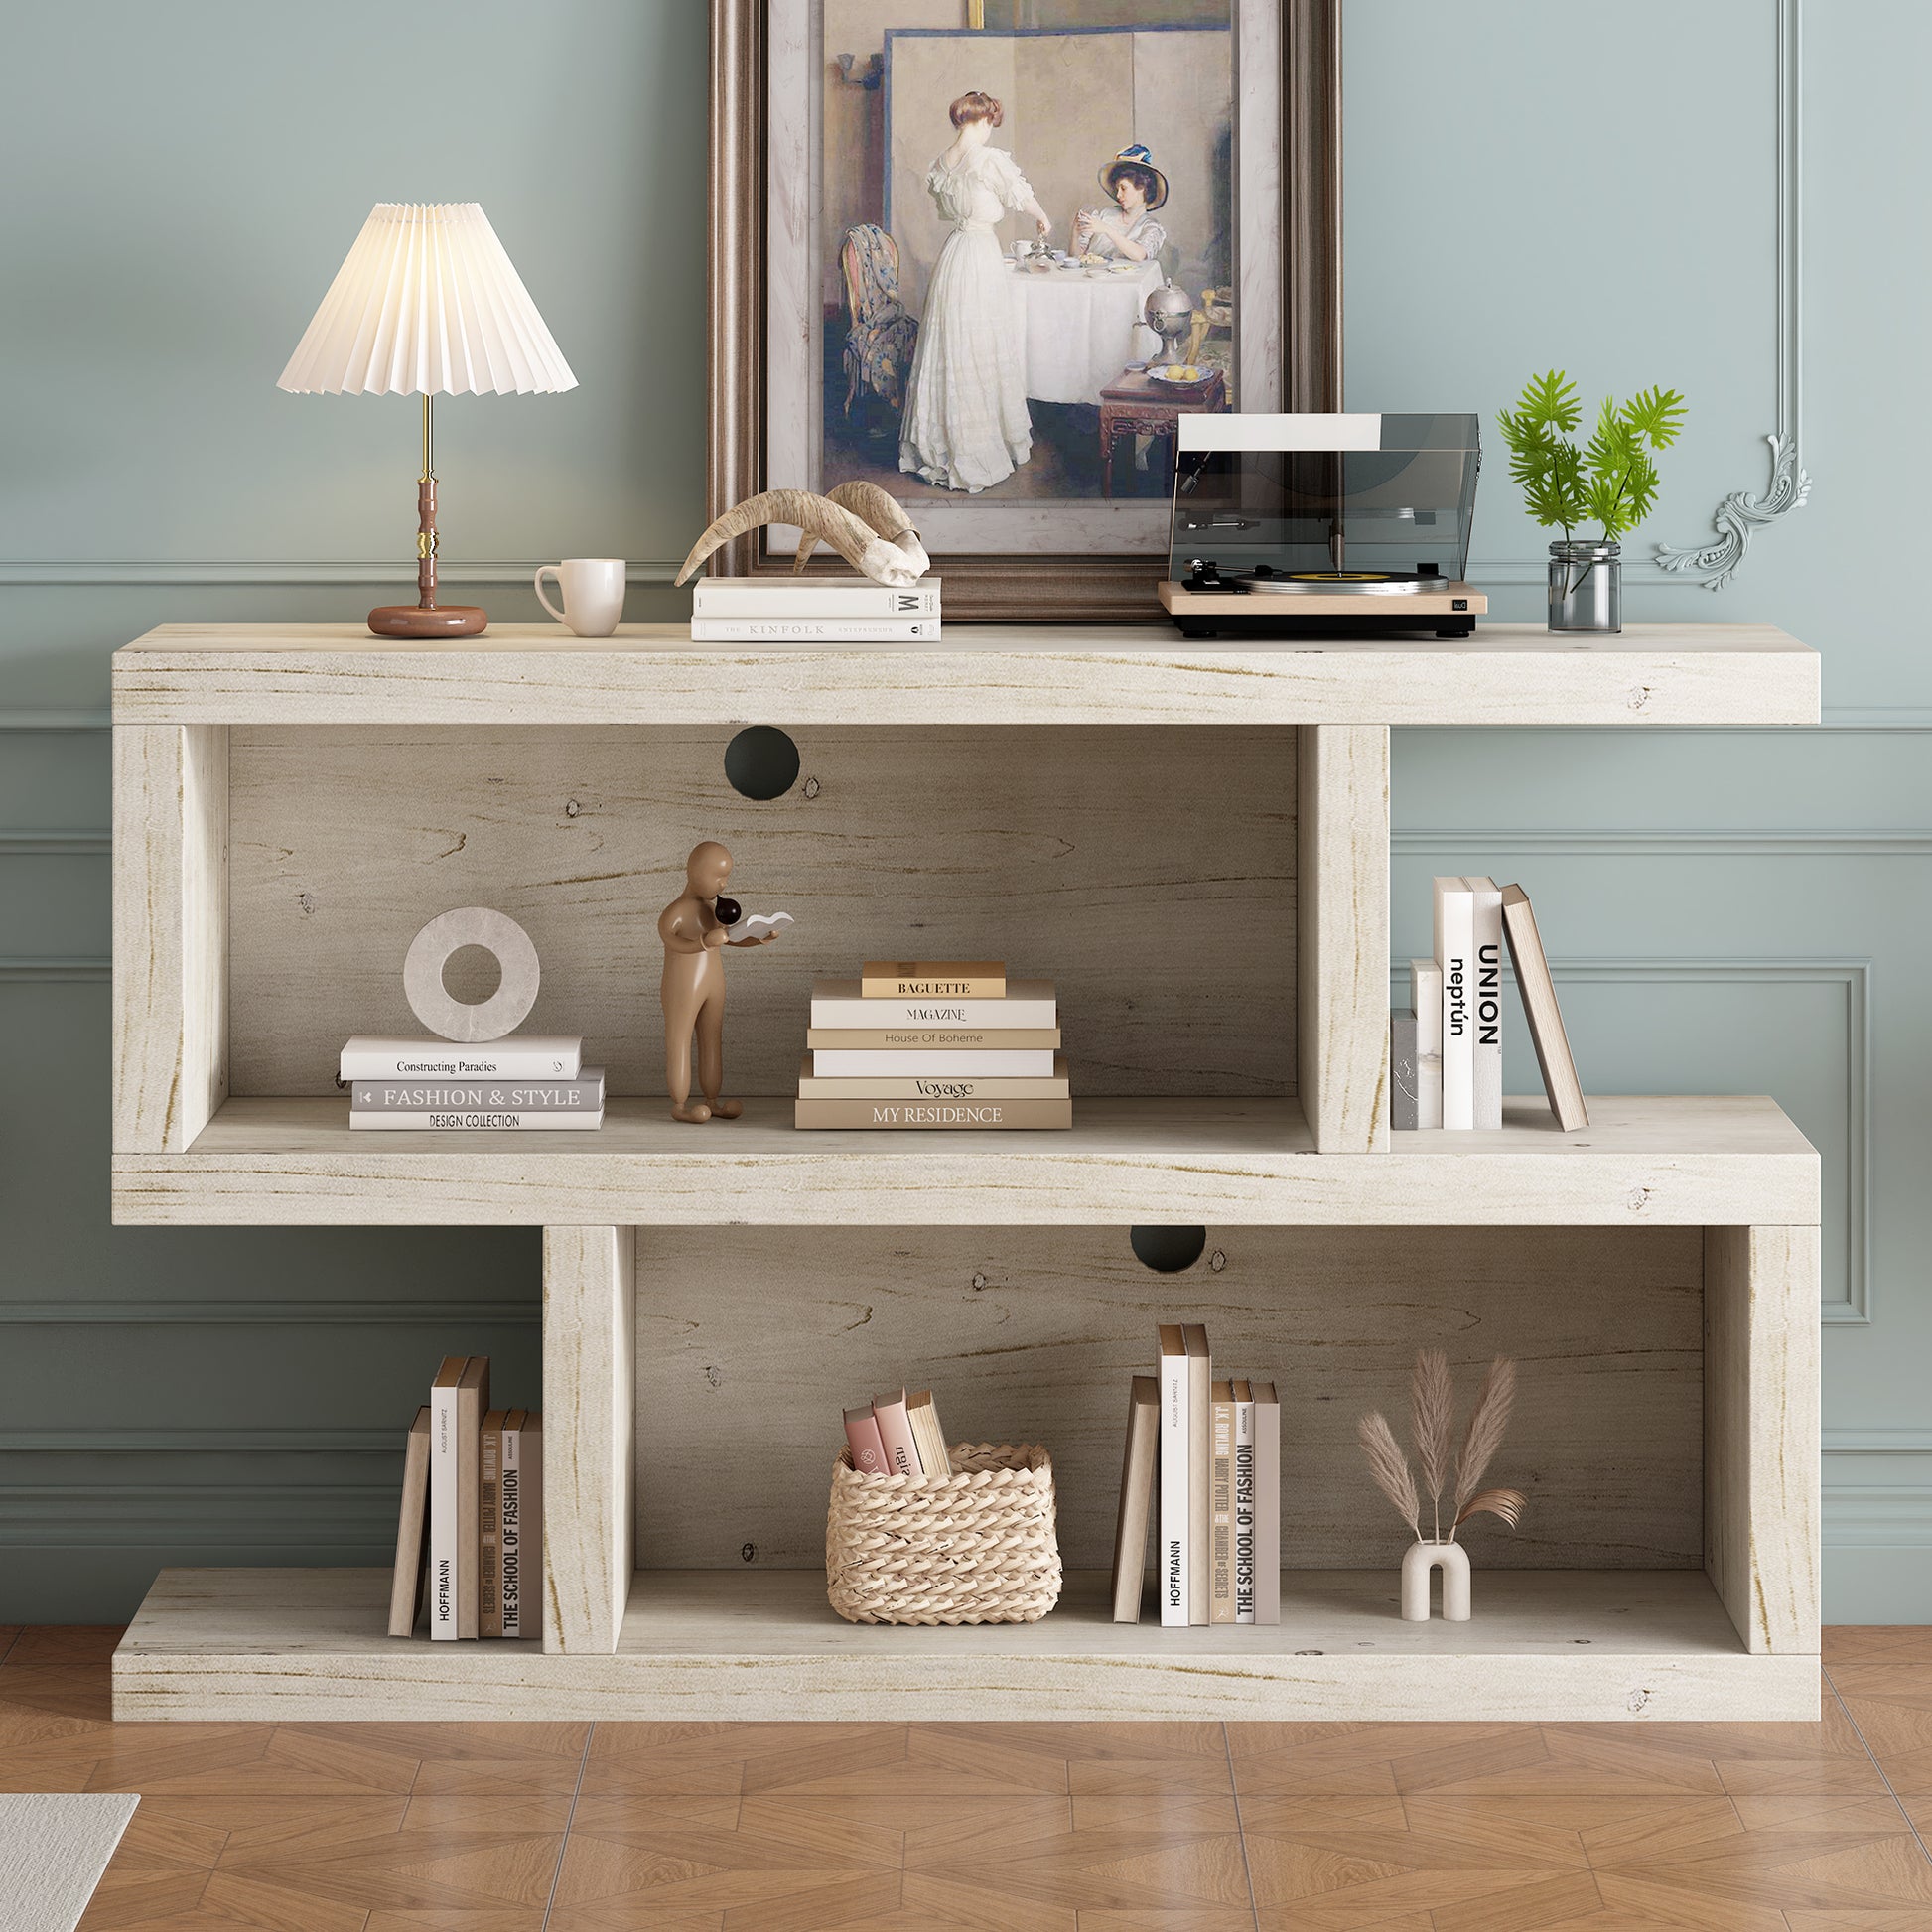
[999, 1827]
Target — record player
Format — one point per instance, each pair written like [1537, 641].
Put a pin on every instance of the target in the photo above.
[1331, 526]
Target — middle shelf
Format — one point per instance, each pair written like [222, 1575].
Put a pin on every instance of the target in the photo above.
[1724, 1161]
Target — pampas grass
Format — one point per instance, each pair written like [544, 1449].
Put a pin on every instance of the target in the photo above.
[1432, 1428]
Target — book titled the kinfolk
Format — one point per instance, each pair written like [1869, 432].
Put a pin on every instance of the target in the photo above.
[370, 1056]
[890, 1115]
[835, 597]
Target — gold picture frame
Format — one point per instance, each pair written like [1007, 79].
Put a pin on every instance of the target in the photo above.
[1071, 586]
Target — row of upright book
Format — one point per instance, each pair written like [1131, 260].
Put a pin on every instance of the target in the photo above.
[801, 610]
[1447, 1049]
[471, 1512]
[933, 1044]
[522, 1083]
[1211, 1451]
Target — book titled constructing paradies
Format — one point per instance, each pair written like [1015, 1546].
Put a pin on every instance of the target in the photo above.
[812, 630]
[932, 1087]
[842, 1003]
[932, 979]
[372, 1056]
[834, 597]
[412, 1526]
[986, 1063]
[1135, 1498]
[887, 1115]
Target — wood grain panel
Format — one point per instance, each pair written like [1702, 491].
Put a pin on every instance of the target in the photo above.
[589, 1400]
[752, 1340]
[1343, 997]
[1149, 872]
[171, 886]
[1761, 1475]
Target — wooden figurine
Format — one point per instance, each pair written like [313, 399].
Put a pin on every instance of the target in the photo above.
[694, 936]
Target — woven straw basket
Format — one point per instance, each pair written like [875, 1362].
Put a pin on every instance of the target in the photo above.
[977, 1546]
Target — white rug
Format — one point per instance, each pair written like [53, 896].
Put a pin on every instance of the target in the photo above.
[53, 1851]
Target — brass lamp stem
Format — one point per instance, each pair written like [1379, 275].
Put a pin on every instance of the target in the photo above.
[426, 515]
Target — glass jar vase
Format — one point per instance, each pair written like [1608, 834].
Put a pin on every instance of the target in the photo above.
[1587, 586]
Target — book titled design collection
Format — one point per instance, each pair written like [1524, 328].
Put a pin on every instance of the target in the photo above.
[1446, 1050]
[933, 1044]
[1203, 1466]
[836, 609]
[471, 1512]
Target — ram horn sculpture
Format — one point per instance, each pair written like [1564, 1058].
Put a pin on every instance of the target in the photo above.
[873, 556]
[886, 514]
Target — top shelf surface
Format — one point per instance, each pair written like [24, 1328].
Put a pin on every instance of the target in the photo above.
[987, 674]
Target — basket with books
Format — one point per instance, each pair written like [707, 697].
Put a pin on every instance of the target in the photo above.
[974, 1545]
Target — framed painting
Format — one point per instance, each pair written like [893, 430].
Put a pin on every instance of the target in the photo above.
[982, 252]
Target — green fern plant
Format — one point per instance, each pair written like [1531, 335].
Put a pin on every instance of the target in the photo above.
[1612, 479]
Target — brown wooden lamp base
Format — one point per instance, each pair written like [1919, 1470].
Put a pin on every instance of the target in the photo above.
[427, 621]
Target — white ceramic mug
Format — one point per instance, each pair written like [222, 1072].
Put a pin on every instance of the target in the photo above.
[592, 588]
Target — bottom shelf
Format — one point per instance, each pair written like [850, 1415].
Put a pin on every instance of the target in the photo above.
[1544, 1646]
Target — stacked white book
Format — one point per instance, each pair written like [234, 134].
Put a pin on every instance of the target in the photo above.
[809, 609]
[920, 1044]
[516, 1085]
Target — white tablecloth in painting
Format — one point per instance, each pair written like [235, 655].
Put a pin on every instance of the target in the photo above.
[1082, 330]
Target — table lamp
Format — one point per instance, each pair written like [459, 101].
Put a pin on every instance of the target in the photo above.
[427, 300]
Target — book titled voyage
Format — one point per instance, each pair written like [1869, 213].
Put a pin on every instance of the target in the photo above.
[1172, 1575]
[412, 1527]
[932, 1087]
[1456, 955]
[1486, 917]
[456, 1401]
[812, 630]
[931, 979]
[843, 1003]
[583, 1095]
[372, 1056]
[1244, 1503]
[896, 1431]
[1268, 1504]
[900, 1116]
[1539, 993]
[863, 1439]
[522, 1524]
[1135, 1498]
[821, 596]
[1221, 1550]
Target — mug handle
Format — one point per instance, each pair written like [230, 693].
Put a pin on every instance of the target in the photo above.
[556, 571]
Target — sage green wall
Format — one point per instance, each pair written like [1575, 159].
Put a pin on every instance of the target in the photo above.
[1525, 185]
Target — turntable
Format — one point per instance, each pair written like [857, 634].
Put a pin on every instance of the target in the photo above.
[1323, 526]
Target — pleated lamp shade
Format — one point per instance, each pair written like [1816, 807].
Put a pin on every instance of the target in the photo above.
[427, 303]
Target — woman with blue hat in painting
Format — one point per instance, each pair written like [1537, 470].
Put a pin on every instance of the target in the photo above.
[1138, 188]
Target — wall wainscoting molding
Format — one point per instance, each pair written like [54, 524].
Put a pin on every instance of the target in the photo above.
[251, 1310]
[19, 971]
[93, 573]
[1671, 842]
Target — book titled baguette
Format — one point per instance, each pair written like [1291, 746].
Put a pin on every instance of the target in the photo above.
[813, 630]
[1220, 1553]
[522, 1514]
[373, 1056]
[1456, 955]
[834, 597]
[895, 1432]
[932, 979]
[887, 1116]
[412, 1526]
[1135, 1498]
[479, 1121]
[1486, 1000]
[1244, 1503]
[1172, 1574]
[841, 1002]
[1268, 1504]
[585, 1094]
[937, 1039]
[1539, 991]
[932, 1087]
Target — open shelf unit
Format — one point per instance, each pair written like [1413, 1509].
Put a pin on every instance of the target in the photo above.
[1194, 839]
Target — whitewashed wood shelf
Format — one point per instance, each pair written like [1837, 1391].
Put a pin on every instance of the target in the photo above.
[1719, 1161]
[251, 1646]
[1194, 838]
[1506, 674]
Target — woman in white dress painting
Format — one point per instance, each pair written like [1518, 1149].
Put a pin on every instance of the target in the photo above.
[966, 425]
